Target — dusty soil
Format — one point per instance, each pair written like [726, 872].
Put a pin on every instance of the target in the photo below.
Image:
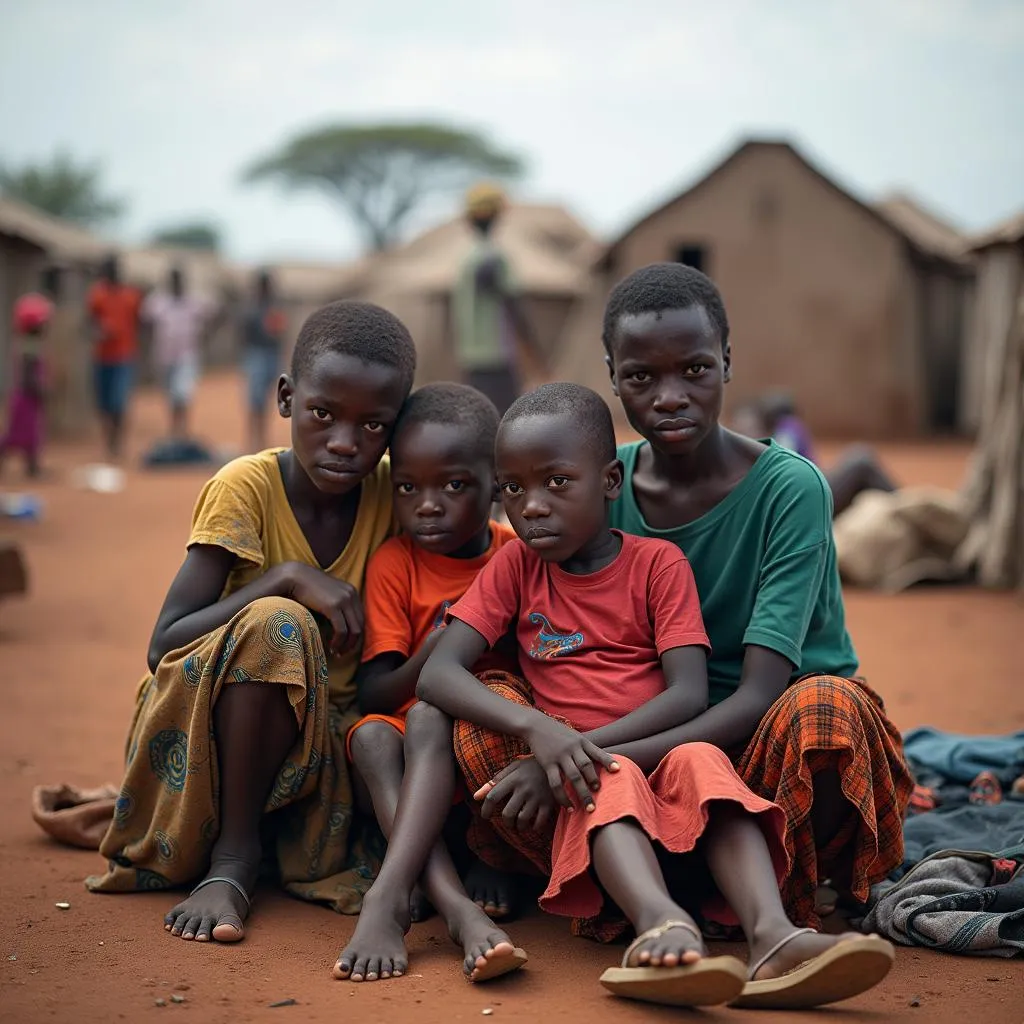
[70, 658]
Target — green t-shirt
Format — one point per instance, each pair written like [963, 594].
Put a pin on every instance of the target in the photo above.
[482, 339]
[765, 564]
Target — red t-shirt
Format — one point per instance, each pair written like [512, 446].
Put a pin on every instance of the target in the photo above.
[589, 646]
[408, 591]
[115, 308]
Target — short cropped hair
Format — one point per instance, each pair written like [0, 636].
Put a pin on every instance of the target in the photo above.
[358, 329]
[588, 411]
[661, 286]
[455, 405]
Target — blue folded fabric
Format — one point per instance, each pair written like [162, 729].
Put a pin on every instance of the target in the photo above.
[959, 759]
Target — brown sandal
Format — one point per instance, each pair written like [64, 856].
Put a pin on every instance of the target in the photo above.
[710, 981]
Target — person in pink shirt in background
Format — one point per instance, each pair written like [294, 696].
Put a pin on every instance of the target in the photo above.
[24, 431]
[179, 321]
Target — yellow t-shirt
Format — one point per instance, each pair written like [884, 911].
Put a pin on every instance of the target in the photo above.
[244, 509]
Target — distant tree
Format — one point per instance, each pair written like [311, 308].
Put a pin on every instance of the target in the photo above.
[63, 187]
[198, 235]
[382, 173]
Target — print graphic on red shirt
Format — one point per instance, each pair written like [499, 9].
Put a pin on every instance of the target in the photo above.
[550, 643]
[440, 619]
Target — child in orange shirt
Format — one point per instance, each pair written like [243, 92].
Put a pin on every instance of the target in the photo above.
[442, 472]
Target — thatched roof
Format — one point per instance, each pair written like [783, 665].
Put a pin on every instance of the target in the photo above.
[205, 272]
[929, 232]
[59, 239]
[548, 248]
[304, 280]
[1006, 232]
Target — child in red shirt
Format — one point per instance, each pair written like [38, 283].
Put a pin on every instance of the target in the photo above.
[442, 473]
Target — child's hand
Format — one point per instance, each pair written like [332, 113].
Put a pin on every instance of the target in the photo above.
[566, 756]
[523, 789]
[338, 602]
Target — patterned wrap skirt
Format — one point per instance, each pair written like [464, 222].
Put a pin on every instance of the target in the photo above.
[166, 818]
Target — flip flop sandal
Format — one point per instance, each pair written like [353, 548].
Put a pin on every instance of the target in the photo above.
[847, 969]
[710, 981]
[497, 966]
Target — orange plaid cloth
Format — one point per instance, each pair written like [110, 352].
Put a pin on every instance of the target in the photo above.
[824, 722]
[820, 722]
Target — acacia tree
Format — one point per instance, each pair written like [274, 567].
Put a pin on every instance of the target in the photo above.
[198, 235]
[381, 174]
[63, 187]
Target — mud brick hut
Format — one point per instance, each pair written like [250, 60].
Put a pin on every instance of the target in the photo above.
[857, 311]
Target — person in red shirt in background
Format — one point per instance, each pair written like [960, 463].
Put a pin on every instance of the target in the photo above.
[114, 308]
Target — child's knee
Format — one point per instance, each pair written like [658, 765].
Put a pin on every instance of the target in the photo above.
[268, 609]
[280, 621]
[426, 724]
[375, 743]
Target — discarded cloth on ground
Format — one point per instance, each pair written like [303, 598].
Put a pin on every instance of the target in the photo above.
[955, 901]
[890, 541]
[960, 759]
[78, 817]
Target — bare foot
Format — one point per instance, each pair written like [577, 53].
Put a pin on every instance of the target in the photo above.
[793, 954]
[675, 947]
[377, 947]
[217, 909]
[482, 943]
[491, 890]
[420, 908]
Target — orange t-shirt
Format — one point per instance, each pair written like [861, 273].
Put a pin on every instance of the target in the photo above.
[408, 591]
[115, 308]
[590, 646]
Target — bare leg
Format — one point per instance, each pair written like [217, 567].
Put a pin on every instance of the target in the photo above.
[627, 867]
[739, 861]
[830, 811]
[179, 421]
[254, 728]
[377, 754]
[109, 435]
[377, 947]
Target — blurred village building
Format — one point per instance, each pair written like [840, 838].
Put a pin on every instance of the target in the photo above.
[856, 311]
[38, 251]
[868, 315]
[550, 251]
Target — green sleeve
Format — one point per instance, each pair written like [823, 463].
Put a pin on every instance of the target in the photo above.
[793, 568]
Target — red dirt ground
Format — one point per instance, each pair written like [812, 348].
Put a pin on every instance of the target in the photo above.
[73, 652]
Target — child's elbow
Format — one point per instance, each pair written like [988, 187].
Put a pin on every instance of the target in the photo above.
[427, 685]
[154, 656]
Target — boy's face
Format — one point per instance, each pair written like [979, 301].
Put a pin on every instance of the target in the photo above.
[342, 411]
[554, 485]
[669, 369]
[444, 486]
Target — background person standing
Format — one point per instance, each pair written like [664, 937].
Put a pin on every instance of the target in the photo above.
[490, 325]
[114, 310]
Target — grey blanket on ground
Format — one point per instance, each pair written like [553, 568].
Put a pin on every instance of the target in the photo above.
[955, 901]
[968, 827]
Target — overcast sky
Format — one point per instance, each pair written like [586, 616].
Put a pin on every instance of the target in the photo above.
[614, 103]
